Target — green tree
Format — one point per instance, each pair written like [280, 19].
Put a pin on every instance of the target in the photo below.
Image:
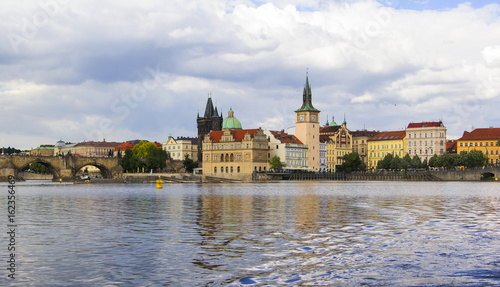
[189, 164]
[433, 161]
[275, 163]
[416, 162]
[396, 163]
[38, 168]
[406, 163]
[385, 163]
[352, 162]
[126, 160]
[141, 149]
[156, 158]
[475, 158]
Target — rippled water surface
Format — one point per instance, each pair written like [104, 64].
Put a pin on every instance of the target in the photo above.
[290, 233]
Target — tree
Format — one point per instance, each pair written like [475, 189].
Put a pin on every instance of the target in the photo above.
[416, 162]
[141, 149]
[352, 162]
[433, 161]
[275, 163]
[385, 163]
[396, 163]
[189, 164]
[126, 161]
[156, 158]
[37, 167]
[475, 158]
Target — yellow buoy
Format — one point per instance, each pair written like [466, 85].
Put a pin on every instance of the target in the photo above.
[159, 184]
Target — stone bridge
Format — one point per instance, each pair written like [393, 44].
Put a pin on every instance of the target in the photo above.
[468, 174]
[62, 167]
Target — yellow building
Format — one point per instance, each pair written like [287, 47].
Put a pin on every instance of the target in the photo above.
[384, 143]
[338, 145]
[307, 127]
[43, 150]
[485, 140]
[180, 147]
[360, 143]
[235, 153]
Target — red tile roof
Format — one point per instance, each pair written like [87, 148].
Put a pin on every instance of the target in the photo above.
[124, 146]
[238, 135]
[482, 134]
[394, 135]
[451, 146]
[285, 138]
[329, 129]
[425, 124]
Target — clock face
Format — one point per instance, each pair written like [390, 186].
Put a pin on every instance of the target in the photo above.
[313, 118]
[301, 118]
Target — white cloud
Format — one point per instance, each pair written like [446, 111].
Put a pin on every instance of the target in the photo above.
[382, 65]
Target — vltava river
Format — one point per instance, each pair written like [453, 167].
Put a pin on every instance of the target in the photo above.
[289, 233]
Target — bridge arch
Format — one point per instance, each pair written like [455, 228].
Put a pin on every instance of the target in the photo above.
[106, 172]
[487, 176]
[53, 170]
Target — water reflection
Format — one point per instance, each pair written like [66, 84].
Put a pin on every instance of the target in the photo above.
[327, 233]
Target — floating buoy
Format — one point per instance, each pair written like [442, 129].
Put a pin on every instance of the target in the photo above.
[159, 184]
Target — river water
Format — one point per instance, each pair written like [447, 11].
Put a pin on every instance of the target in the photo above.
[272, 234]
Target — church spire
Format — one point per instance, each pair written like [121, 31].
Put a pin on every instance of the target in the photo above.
[307, 97]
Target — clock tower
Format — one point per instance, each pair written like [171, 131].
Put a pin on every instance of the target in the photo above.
[307, 127]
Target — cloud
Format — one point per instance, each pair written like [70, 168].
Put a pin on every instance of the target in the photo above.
[71, 68]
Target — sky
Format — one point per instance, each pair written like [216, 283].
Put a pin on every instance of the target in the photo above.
[122, 70]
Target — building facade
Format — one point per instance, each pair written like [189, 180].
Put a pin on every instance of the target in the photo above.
[323, 140]
[307, 127]
[43, 150]
[485, 140]
[95, 149]
[426, 139]
[339, 144]
[211, 121]
[235, 153]
[360, 143]
[291, 151]
[384, 143]
[180, 147]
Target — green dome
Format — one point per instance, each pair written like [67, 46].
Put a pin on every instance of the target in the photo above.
[231, 122]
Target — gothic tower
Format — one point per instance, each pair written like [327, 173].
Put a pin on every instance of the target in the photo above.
[211, 121]
[307, 127]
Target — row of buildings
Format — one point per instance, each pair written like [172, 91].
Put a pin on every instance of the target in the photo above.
[224, 149]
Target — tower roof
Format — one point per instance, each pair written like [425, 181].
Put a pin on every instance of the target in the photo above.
[231, 122]
[307, 98]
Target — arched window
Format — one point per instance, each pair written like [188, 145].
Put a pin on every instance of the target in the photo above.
[231, 169]
[215, 169]
[231, 158]
[227, 157]
[227, 169]
[238, 169]
[222, 157]
[221, 169]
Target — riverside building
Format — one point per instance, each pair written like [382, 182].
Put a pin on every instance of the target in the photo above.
[426, 139]
[393, 142]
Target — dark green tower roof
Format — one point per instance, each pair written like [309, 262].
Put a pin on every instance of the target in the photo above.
[307, 98]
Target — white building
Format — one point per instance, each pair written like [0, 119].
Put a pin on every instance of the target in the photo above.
[291, 151]
[178, 148]
[426, 139]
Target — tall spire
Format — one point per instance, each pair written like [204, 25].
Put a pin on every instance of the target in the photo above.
[307, 97]
[345, 122]
[209, 109]
[327, 123]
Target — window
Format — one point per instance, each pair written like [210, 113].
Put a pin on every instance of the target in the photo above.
[231, 169]
[222, 169]
[215, 169]
[461, 144]
[227, 169]
[238, 169]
